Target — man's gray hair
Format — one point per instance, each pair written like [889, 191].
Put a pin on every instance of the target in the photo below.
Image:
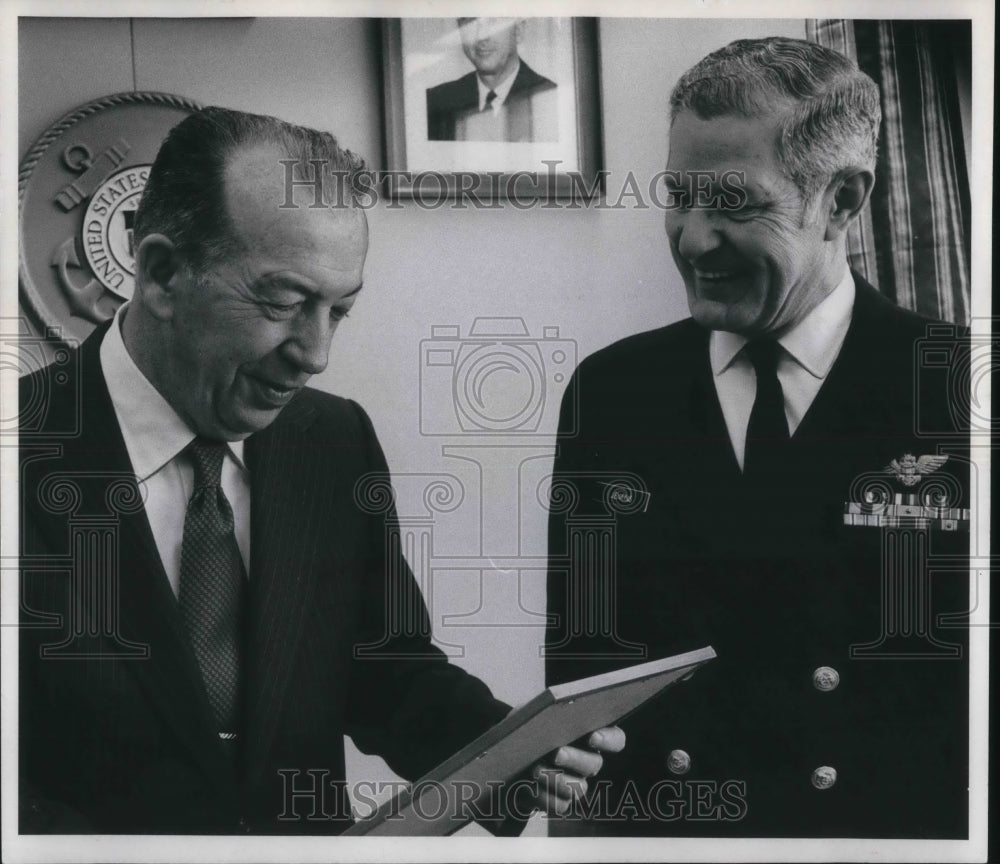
[832, 107]
[184, 197]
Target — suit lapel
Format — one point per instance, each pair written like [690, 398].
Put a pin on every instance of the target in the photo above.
[470, 94]
[520, 80]
[526, 79]
[287, 522]
[97, 459]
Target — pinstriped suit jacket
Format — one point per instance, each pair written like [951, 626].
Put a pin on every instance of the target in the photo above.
[115, 729]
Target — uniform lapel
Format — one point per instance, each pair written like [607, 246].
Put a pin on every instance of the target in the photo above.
[854, 376]
[706, 415]
[692, 458]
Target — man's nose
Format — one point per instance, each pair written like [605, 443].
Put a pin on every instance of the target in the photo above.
[694, 232]
[486, 28]
[309, 346]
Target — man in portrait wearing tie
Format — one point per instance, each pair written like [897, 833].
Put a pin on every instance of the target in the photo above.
[504, 99]
[757, 437]
[208, 605]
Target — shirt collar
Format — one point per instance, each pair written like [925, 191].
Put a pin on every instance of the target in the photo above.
[154, 433]
[502, 90]
[813, 342]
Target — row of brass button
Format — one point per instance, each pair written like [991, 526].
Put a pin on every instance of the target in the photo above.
[825, 679]
[679, 763]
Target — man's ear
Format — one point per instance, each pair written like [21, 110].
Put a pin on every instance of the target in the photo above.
[847, 195]
[157, 266]
[519, 31]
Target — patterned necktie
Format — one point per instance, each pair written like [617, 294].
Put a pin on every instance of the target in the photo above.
[211, 593]
[489, 100]
[767, 431]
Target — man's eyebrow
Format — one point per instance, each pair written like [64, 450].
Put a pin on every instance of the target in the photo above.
[281, 281]
[298, 287]
[759, 194]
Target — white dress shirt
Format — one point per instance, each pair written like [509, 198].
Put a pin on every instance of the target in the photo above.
[810, 348]
[155, 437]
[501, 90]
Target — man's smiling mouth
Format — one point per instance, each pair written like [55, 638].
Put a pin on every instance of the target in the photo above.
[715, 275]
[273, 392]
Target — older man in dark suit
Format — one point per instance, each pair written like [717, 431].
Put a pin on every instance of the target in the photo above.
[780, 471]
[504, 99]
[226, 609]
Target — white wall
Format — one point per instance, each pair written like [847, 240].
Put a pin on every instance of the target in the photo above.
[597, 275]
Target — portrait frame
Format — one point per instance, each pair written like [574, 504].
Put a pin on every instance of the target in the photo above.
[491, 170]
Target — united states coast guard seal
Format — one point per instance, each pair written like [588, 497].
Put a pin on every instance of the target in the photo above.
[107, 229]
[78, 189]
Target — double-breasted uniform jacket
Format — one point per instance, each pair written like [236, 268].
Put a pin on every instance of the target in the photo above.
[115, 727]
[834, 648]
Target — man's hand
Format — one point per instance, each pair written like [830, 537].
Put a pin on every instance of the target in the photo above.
[561, 777]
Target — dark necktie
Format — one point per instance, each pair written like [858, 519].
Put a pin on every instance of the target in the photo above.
[489, 100]
[767, 431]
[212, 584]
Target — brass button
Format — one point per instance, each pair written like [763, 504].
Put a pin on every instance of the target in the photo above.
[678, 762]
[825, 679]
[824, 777]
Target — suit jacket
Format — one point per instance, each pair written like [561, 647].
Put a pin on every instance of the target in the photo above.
[448, 101]
[775, 581]
[115, 728]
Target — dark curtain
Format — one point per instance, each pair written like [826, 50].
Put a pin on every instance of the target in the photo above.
[912, 243]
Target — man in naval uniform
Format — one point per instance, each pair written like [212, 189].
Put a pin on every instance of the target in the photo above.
[754, 445]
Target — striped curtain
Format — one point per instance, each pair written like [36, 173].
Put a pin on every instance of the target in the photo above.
[912, 243]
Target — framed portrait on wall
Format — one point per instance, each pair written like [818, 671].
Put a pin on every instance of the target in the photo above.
[502, 106]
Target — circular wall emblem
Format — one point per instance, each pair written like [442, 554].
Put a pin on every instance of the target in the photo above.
[78, 189]
[107, 229]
